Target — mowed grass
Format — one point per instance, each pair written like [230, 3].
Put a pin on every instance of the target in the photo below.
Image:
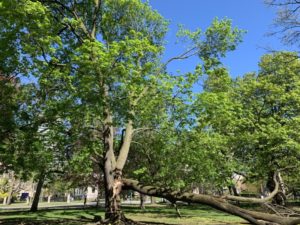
[158, 214]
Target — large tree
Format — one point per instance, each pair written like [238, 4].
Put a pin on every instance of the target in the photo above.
[101, 59]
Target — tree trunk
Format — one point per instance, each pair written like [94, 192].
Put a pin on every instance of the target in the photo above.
[112, 177]
[177, 209]
[36, 198]
[112, 167]
[99, 194]
[215, 202]
[49, 198]
[10, 195]
[152, 200]
[68, 198]
[4, 200]
[142, 201]
[11, 189]
[280, 198]
[113, 200]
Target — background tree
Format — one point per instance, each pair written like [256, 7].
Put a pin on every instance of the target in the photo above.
[287, 21]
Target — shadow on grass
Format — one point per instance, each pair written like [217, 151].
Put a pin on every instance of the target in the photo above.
[49, 216]
[85, 215]
[186, 211]
[30, 221]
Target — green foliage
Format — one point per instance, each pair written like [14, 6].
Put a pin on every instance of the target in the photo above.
[219, 38]
[270, 104]
[4, 187]
[89, 60]
[252, 122]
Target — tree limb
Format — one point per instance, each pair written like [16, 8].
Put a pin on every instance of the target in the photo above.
[256, 200]
[217, 203]
[125, 146]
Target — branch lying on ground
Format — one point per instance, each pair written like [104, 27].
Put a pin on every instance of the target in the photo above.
[215, 202]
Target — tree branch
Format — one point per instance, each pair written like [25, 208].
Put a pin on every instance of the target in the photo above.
[256, 200]
[184, 55]
[217, 203]
[125, 146]
[95, 17]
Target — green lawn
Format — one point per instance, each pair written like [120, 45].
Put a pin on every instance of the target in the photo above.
[159, 214]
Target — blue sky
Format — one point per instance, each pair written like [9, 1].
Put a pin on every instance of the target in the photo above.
[251, 15]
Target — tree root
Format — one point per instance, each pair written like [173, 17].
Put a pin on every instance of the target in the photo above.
[118, 219]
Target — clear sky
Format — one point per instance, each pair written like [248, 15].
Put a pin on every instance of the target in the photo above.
[251, 15]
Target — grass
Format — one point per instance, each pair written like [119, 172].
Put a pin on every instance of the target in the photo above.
[158, 214]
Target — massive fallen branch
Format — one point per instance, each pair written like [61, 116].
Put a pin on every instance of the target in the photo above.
[215, 202]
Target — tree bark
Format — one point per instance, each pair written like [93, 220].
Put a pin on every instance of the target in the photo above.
[142, 201]
[49, 198]
[112, 167]
[36, 198]
[152, 200]
[68, 197]
[9, 197]
[215, 202]
[11, 189]
[4, 200]
[111, 176]
[279, 197]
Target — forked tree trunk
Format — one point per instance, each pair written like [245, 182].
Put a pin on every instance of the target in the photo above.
[112, 167]
[280, 197]
[112, 177]
[36, 198]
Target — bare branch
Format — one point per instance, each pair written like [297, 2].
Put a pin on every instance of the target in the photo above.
[95, 17]
[189, 53]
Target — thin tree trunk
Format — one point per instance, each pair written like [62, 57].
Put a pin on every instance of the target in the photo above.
[99, 194]
[36, 198]
[49, 198]
[5, 200]
[142, 201]
[280, 197]
[152, 200]
[11, 189]
[10, 194]
[68, 198]
[177, 209]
